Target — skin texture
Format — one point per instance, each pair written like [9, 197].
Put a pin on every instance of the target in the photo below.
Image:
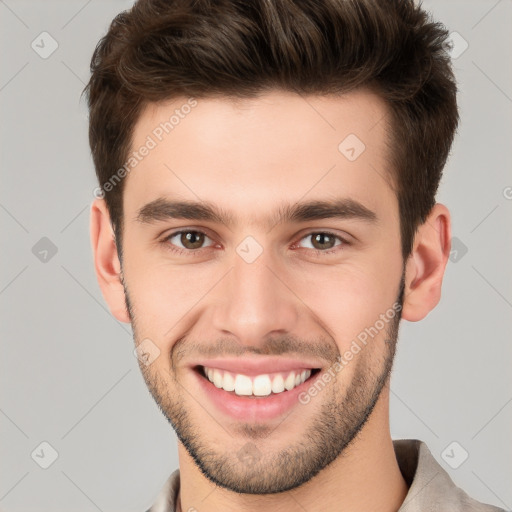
[249, 157]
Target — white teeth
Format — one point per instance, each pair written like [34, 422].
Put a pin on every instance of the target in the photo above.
[229, 382]
[243, 385]
[261, 385]
[289, 382]
[217, 378]
[278, 384]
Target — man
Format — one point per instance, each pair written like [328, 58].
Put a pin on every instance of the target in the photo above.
[266, 215]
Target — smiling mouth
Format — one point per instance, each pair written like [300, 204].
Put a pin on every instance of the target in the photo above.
[256, 386]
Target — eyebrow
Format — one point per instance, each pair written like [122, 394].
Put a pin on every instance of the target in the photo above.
[163, 209]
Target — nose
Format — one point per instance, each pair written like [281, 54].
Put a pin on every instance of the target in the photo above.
[254, 301]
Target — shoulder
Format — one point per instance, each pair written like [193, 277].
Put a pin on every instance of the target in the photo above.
[166, 499]
[430, 486]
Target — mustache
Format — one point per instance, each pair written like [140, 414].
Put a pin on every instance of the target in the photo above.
[322, 348]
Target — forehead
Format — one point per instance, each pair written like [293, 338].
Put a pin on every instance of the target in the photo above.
[253, 153]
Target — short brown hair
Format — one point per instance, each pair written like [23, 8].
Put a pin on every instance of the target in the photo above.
[161, 49]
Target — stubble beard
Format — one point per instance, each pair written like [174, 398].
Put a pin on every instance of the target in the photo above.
[251, 469]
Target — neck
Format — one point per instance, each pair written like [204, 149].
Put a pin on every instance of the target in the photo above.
[365, 476]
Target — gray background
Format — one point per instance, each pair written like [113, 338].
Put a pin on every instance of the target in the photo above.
[68, 374]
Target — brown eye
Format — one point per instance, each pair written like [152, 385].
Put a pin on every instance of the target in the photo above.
[192, 239]
[322, 241]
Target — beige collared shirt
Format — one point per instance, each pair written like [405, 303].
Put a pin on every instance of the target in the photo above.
[430, 487]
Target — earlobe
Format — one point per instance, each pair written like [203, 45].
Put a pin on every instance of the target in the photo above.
[426, 265]
[106, 261]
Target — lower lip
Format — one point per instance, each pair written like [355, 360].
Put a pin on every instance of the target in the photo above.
[253, 409]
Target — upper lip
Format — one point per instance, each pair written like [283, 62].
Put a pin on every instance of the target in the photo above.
[257, 365]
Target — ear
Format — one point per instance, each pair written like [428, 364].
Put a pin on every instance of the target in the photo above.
[106, 260]
[426, 265]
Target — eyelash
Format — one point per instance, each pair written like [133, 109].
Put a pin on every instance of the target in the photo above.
[194, 252]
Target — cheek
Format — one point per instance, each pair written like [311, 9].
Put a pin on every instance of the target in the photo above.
[164, 297]
[349, 298]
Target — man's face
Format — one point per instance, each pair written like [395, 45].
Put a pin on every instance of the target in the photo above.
[267, 287]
